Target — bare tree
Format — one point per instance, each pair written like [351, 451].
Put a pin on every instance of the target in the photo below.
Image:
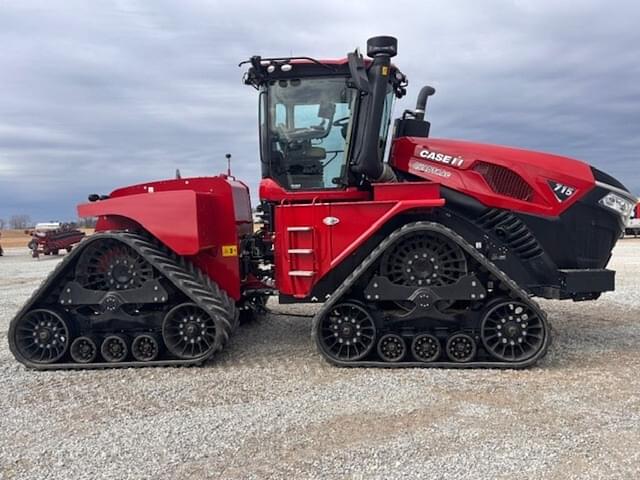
[20, 222]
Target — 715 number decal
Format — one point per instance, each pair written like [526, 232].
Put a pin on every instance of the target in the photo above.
[561, 191]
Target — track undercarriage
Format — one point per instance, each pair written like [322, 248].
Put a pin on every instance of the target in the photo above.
[423, 298]
[426, 298]
[122, 300]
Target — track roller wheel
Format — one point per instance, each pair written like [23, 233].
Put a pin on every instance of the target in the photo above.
[425, 348]
[145, 347]
[114, 348]
[391, 348]
[461, 347]
[347, 332]
[512, 332]
[189, 332]
[42, 336]
[83, 350]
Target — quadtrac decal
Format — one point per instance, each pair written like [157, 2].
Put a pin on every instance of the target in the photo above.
[439, 157]
[561, 191]
[426, 168]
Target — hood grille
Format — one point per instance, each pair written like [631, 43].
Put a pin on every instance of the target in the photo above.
[504, 181]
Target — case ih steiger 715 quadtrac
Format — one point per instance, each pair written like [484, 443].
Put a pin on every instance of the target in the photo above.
[429, 258]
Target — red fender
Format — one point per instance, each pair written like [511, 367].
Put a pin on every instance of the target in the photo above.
[200, 218]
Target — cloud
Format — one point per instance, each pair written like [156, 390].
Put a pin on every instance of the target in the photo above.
[96, 95]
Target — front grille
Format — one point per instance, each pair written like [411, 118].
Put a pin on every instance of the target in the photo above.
[504, 181]
[512, 231]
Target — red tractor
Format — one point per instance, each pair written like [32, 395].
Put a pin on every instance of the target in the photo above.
[428, 258]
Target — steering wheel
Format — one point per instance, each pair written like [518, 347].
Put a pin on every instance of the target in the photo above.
[341, 122]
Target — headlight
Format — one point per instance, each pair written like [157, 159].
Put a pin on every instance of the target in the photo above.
[618, 204]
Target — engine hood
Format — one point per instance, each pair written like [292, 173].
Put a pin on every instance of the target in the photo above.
[498, 176]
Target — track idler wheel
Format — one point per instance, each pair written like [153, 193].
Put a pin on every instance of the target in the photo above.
[114, 348]
[42, 336]
[83, 350]
[512, 332]
[461, 348]
[145, 347]
[391, 348]
[426, 348]
[347, 332]
[189, 332]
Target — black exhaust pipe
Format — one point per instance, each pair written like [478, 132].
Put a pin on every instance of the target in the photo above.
[368, 159]
[421, 103]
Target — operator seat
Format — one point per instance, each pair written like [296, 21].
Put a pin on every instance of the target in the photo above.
[304, 168]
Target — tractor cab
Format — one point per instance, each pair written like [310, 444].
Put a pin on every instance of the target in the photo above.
[324, 123]
[306, 131]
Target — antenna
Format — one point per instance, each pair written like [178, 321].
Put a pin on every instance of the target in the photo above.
[228, 157]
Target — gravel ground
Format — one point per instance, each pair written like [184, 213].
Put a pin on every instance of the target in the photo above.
[269, 407]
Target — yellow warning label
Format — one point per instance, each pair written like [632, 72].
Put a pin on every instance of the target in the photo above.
[229, 251]
[385, 71]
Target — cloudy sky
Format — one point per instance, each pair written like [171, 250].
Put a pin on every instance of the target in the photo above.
[98, 94]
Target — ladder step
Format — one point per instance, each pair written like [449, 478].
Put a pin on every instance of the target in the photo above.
[300, 251]
[299, 229]
[301, 273]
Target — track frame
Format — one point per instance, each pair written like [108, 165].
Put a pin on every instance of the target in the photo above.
[183, 275]
[512, 290]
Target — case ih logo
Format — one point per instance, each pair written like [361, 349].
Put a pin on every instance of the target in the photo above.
[561, 191]
[442, 158]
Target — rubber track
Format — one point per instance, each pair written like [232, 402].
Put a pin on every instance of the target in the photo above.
[185, 276]
[515, 291]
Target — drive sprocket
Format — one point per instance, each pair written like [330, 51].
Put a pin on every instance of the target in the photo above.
[424, 259]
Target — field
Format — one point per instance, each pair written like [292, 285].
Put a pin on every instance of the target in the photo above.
[13, 238]
[18, 239]
[269, 407]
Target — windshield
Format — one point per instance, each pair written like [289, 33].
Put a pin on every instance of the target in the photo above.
[308, 130]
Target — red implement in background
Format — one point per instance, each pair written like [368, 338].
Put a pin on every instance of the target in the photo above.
[51, 242]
